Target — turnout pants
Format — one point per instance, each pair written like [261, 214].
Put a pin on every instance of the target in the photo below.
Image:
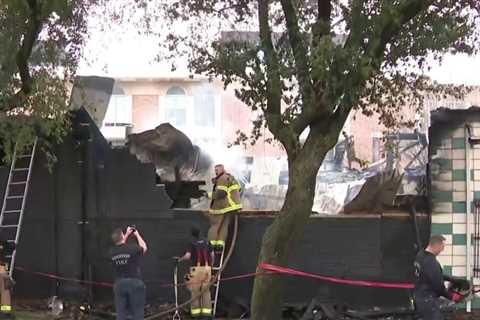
[428, 308]
[5, 286]
[198, 283]
[219, 224]
[129, 298]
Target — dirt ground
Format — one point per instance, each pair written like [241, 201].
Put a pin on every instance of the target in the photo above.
[45, 315]
[466, 316]
[38, 310]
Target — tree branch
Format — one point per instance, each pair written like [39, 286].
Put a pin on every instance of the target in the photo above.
[356, 35]
[391, 25]
[406, 11]
[274, 85]
[300, 53]
[314, 105]
[33, 28]
[323, 136]
[311, 115]
[323, 24]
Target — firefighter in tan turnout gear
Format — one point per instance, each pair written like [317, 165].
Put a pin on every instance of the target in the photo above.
[225, 201]
[198, 279]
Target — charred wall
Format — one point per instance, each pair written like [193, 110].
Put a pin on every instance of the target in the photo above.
[364, 248]
[72, 208]
[93, 188]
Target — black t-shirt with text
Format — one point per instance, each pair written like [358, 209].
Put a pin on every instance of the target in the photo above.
[126, 261]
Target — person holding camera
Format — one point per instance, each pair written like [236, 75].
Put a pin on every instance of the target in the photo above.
[129, 289]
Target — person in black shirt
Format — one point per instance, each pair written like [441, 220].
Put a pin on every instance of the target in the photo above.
[429, 281]
[198, 280]
[129, 289]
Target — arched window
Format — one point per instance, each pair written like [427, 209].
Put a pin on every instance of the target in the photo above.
[176, 91]
[175, 107]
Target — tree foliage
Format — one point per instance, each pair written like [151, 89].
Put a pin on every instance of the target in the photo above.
[307, 62]
[41, 45]
[304, 64]
[301, 65]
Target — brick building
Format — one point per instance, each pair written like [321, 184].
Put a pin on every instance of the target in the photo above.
[202, 109]
[211, 115]
[455, 181]
[368, 132]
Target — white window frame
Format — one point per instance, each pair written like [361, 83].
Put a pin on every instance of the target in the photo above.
[163, 109]
[195, 132]
[116, 123]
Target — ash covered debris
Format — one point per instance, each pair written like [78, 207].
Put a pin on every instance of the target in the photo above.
[172, 153]
[181, 166]
[341, 189]
[184, 168]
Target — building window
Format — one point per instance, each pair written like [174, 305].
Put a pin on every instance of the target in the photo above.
[204, 110]
[119, 111]
[176, 107]
[196, 113]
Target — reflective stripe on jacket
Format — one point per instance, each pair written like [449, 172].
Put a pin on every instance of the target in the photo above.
[225, 195]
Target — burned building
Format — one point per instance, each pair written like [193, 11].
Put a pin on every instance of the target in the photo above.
[93, 188]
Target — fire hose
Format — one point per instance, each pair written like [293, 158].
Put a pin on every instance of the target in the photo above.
[212, 281]
[462, 286]
[262, 269]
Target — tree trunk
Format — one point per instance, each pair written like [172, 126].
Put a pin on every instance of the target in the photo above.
[280, 237]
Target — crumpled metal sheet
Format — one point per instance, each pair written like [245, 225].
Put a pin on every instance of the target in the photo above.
[372, 190]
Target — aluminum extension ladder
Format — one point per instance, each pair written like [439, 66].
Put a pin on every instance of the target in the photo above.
[15, 198]
[217, 272]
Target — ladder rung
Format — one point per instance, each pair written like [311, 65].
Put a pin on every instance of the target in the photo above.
[21, 165]
[19, 182]
[14, 197]
[216, 268]
[11, 211]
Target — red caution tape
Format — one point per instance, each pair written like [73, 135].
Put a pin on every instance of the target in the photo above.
[55, 277]
[110, 285]
[265, 267]
[277, 269]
